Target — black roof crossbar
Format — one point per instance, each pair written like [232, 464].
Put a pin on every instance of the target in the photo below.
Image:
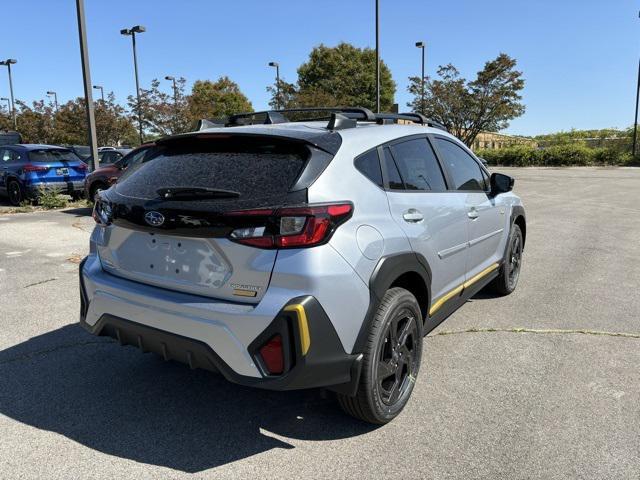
[410, 117]
[338, 118]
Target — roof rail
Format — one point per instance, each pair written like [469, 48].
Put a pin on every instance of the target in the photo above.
[340, 122]
[410, 117]
[337, 117]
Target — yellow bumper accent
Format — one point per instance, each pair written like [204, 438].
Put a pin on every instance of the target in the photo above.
[448, 296]
[303, 326]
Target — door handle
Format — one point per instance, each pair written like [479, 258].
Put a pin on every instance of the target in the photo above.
[472, 213]
[412, 216]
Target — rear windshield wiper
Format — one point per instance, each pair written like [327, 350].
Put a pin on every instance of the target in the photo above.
[195, 193]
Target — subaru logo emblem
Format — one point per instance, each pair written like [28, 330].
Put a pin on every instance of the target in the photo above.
[155, 219]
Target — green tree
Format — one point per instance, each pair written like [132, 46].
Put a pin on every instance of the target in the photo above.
[161, 115]
[113, 126]
[35, 122]
[466, 108]
[287, 98]
[344, 75]
[216, 99]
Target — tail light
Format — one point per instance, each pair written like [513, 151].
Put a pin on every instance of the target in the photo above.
[82, 166]
[273, 356]
[102, 212]
[290, 227]
[30, 167]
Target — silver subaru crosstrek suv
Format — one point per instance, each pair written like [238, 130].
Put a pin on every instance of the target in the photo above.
[301, 254]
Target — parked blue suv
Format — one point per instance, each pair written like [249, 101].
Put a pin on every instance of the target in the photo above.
[27, 170]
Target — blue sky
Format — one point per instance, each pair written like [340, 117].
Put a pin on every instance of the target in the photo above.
[579, 58]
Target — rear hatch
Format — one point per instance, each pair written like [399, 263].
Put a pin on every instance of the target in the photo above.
[55, 165]
[173, 215]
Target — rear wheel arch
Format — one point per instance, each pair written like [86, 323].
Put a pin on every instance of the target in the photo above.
[408, 270]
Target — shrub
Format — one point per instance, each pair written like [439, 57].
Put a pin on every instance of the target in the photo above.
[557, 156]
[51, 198]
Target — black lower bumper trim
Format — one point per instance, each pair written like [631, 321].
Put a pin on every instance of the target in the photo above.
[326, 364]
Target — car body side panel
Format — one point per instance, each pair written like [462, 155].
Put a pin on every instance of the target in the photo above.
[369, 234]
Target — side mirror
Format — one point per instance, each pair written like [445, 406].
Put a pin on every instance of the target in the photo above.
[501, 183]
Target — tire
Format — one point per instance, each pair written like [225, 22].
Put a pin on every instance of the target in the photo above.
[15, 194]
[95, 188]
[380, 398]
[507, 281]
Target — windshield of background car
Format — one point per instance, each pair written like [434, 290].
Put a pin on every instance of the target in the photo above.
[52, 155]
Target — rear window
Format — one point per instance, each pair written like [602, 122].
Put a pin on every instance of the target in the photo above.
[255, 167]
[51, 155]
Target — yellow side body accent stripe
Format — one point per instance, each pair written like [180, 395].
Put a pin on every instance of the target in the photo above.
[442, 300]
[303, 326]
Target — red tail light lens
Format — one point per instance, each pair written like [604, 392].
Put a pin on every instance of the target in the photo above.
[291, 227]
[30, 167]
[82, 166]
[272, 355]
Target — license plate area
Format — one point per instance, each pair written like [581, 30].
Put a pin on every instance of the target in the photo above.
[169, 260]
[62, 171]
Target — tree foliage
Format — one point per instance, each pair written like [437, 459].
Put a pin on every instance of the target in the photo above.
[163, 112]
[216, 99]
[465, 107]
[338, 76]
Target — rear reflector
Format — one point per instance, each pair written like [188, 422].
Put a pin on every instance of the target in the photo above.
[290, 227]
[272, 355]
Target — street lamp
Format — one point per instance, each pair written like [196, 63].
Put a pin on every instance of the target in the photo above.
[277, 67]
[86, 83]
[635, 123]
[55, 98]
[132, 32]
[421, 46]
[8, 104]
[175, 101]
[8, 62]
[377, 56]
[99, 87]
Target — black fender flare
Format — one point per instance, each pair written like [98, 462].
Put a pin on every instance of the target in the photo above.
[387, 270]
[518, 211]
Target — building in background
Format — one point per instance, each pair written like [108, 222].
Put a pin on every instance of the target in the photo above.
[494, 141]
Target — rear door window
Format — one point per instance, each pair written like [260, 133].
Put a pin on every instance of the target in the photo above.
[418, 165]
[393, 175]
[253, 166]
[464, 170]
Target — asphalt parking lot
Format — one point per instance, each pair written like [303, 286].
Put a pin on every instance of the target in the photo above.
[544, 383]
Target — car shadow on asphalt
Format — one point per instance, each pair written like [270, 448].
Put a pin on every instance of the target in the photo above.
[79, 212]
[122, 402]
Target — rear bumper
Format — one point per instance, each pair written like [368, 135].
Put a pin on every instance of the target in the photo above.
[205, 334]
[33, 189]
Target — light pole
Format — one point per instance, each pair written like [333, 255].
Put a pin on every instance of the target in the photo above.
[421, 45]
[377, 56]
[86, 77]
[277, 67]
[53, 94]
[8, 62]
[8, 104]
[132, 32]
[99, 87]
[175, 101]
[635, 123]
